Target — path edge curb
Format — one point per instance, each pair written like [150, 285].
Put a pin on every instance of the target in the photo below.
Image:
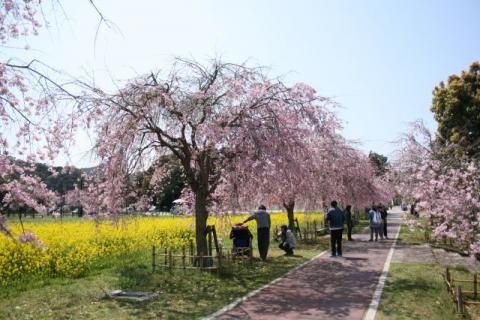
[373, 306]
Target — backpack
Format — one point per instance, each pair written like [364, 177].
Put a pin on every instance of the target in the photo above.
[376, 218]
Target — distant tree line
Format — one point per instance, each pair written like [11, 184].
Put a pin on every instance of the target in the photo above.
[61, 180]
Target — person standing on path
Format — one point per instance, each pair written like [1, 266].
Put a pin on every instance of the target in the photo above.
[335, 219]
[375, 219]
[384, 214]
[263, 230]
[348, 217]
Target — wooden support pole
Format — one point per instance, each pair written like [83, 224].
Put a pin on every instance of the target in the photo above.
[166, 258]
[191, 253]
[154, 264]
[447, 275]
[315, 230]
[459, 300]
[183, 258]
[475, 284]
[215, 240]
[170, 260]
[209, 237]
[297, 228]
[219, 266]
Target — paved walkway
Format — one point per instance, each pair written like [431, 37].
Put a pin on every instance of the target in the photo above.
[325, 288]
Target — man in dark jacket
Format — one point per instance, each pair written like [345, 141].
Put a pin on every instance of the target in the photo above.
[384, 214]
[335, 219]
[348, 218]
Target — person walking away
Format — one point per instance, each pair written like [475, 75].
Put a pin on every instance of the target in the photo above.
[349, 219]
[384, 214]
[335, 219]
[287, 240]
[380, 226]
[263, 230]
[375, 220]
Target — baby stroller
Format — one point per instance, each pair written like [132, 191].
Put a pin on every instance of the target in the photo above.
[242, 240]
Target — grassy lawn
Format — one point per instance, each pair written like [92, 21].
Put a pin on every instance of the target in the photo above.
[180, 295]
[413, 235]
[362, 224]
[417, 291]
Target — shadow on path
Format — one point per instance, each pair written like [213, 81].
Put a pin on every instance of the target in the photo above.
[325, 288]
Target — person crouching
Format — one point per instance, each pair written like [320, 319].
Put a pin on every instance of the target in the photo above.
[287, 241]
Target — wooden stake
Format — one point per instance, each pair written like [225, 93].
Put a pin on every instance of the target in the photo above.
[219, 257]
[192, 258]
[297, 228]
[166, 257]
[215, 240]
[153, 259]
[475, 290]
[459, 300]
[209, 236]
[183, 258]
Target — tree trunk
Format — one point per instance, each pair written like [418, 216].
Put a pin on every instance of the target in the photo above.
[201, 215]
[290, 205]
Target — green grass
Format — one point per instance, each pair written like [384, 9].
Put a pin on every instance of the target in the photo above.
[181, 295]
[412, 236]
[416, 291]
[362, 224]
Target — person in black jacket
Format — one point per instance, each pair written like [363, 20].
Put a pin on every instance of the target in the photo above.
[384, 213]
[335, 219]
[348, 218]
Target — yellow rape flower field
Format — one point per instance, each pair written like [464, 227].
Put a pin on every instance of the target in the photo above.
[72, 248]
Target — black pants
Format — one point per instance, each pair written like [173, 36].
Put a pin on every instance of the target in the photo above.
[336, 242]
[349, 231]
[385, 227]
[286, 247]
[263, 235]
